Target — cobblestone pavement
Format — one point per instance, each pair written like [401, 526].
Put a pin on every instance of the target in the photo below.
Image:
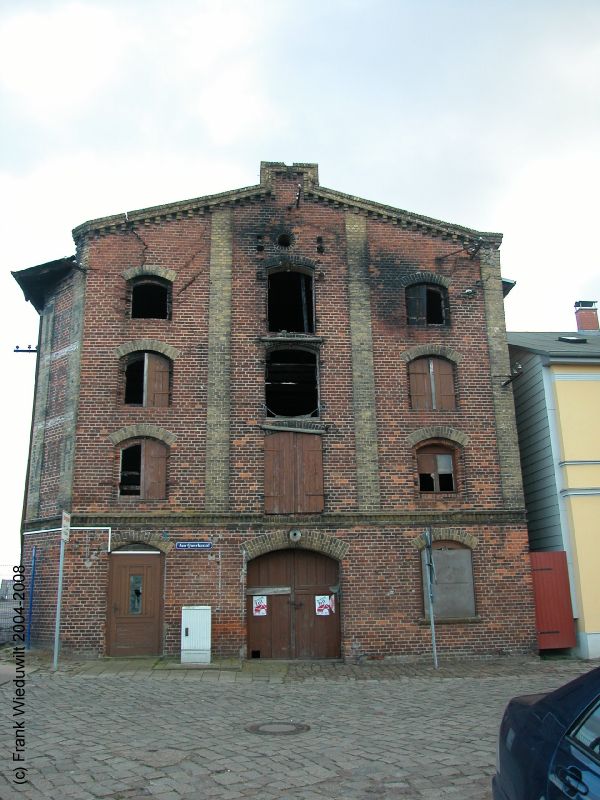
[147, 729]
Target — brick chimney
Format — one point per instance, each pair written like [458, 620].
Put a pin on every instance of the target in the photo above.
[586, 315]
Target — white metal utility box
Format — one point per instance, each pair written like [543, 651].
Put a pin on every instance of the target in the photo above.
[195, 634]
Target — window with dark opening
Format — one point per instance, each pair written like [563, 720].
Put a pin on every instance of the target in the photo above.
[143, 471]
[291, 383]
[151, 299]
[454, 595]
[131, 470]
[435, 464]
[147, 380]
[431, 382]
[427, 304]
[290, 303]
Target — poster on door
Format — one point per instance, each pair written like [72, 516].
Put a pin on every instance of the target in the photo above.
[324, 605]
[259, 605]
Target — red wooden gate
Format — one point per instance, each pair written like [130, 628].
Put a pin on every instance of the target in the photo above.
[553, 612]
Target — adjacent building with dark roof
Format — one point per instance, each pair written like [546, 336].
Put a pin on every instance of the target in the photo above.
[557, 399]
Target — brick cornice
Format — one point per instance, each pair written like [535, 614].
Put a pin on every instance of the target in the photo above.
[183, 209]
[249, 522]
[405, 219]
[312, 193]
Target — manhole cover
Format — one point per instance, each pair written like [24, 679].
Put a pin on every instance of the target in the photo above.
[277, 728]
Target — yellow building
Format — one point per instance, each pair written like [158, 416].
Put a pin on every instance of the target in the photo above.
[557, 400]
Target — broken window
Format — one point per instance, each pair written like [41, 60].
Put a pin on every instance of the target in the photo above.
[151, 299]
[290, 303]
[431, 382]
[143, 470]
[453, 592]
[293, 473]
[427, 304]
[291, 386]
[147, 380]
[435, 464]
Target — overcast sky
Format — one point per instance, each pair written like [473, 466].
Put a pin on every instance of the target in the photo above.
[485, 113]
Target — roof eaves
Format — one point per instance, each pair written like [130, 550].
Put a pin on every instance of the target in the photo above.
[35, 281]
[533, 342]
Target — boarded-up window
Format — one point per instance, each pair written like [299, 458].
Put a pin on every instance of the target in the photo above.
[147, 380]
[453, 590]
[426, 304]
[144, 470]
[293, 473]
[431, 382]
[435, 464]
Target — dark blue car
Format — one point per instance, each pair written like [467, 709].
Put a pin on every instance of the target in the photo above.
[549, 746]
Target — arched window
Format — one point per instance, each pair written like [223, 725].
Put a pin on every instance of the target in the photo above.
[431, 382]
[427, 304]
[454, 594]
[150, 298]
[291, 384]
[290, 303]
[143, 470]
[147, 380]
[436, 466]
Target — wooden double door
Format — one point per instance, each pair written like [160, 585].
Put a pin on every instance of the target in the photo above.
[134, 604]
[293, 605]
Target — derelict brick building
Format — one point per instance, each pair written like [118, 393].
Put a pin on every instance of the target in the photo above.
[258, 401]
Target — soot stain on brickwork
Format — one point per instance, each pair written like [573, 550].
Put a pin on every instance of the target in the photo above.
[387, 276]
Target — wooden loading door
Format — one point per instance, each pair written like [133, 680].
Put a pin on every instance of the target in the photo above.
[292, 606]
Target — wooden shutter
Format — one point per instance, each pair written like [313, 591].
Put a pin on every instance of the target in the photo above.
[157, 380]
[426, 463]
[154, 470]
[416, 304]
[420, 383]
[443, 375]
[553, 612]
[309, 473]
[279, 473]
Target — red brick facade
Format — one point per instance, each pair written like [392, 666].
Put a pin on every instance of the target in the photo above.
[216, 254]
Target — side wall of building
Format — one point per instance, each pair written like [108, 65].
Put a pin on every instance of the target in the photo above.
[537, 458]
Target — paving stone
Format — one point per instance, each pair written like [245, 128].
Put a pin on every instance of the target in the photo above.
[124, 732]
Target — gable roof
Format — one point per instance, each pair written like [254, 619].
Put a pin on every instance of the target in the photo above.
[307, 175]
[559, 346]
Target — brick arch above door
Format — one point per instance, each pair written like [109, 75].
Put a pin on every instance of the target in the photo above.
[310, 540]
[121, 539]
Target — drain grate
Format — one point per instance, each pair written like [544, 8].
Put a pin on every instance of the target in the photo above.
[277, 728]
